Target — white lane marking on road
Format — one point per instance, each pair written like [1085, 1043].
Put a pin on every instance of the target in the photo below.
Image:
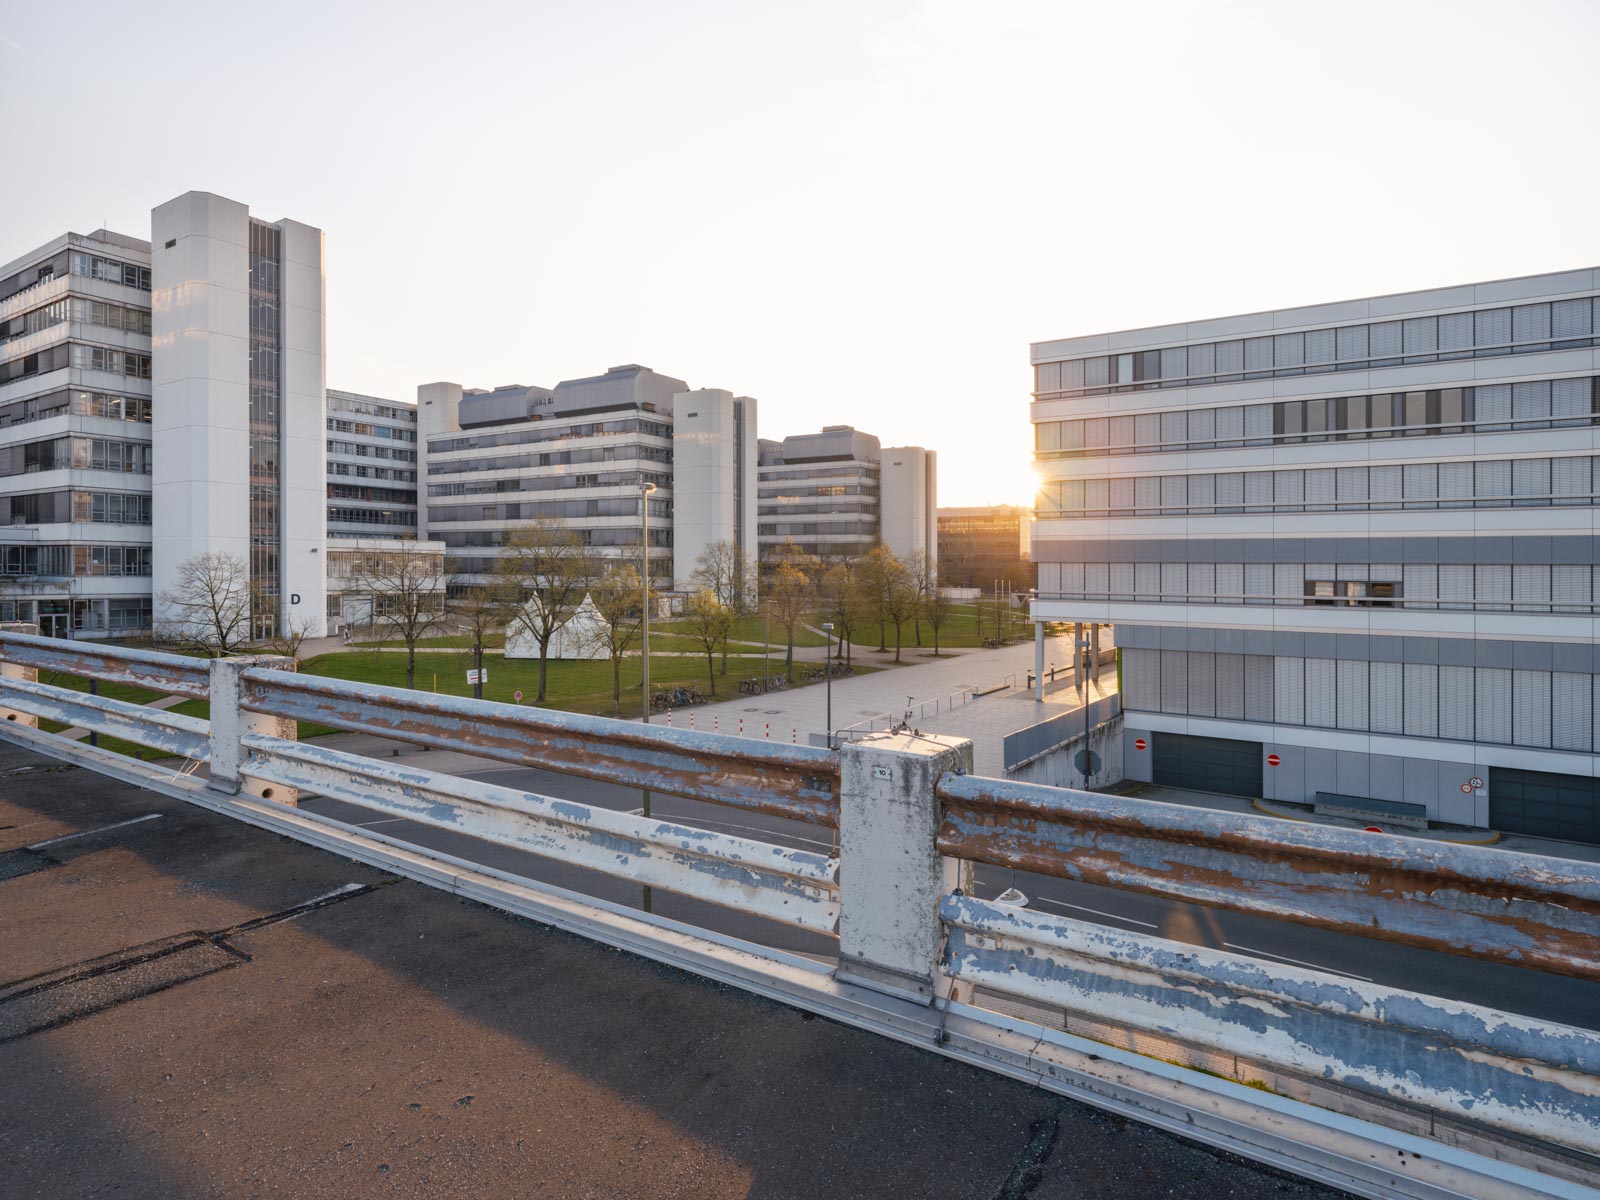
[765, 833]
[1096, 912]
[67, 837]
[1297, 962]
[379, 821]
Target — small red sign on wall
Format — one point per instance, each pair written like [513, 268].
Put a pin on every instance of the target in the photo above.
[1273, 760]
[1139, 744]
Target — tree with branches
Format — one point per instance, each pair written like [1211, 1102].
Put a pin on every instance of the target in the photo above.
[406, 585]
[209, 604]
[708, 622]
[617, 591]
[898, 598]
[936, 606]
[840, 600]
[723, 571]
[790, 595]
[481, 611]
[546, 565]
[882, 577]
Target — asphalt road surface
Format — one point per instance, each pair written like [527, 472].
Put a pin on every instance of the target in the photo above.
[1530, 993]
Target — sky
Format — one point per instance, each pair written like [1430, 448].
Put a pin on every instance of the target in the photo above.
[859, 213]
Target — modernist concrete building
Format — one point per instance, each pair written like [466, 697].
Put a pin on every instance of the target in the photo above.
[75, 434]
[1348, 548]
[238, 403]
[372, 467]
[579, 452]
[978, 546]
[838, 493]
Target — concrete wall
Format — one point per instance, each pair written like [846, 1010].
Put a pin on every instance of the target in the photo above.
[1056, 768]
[705, 468]
[909, 504]
[303, 464]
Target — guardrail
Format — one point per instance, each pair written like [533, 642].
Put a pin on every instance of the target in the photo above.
[899, 894]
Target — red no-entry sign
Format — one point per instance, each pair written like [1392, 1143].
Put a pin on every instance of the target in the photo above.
[1140, 743]
[1273, 760]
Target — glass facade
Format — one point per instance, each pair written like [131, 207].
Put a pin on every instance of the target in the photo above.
[266, 425]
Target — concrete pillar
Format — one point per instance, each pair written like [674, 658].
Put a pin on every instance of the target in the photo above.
[230, 722]
[1094, 651]
[1038, 661]
[13, 671]
[891, 873]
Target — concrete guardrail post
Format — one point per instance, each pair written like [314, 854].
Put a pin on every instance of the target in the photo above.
[891, 873]
[229, 723]
[13, 671]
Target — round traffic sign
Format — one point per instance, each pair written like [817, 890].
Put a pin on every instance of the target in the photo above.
[1140, 743]
[1273, 760]
[1371, 829]
[1476, 782]
[1466, 789]
[518, 695]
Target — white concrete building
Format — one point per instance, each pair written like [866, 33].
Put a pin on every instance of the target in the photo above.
[1349, 548]
[372, 466]
[239, 403]
[909, 483]
[75, 436]
[579, 452]
[838, 493]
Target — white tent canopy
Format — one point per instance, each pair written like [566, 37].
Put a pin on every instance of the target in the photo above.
[582, 636]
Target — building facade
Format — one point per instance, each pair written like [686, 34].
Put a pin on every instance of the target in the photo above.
[838, 493]
[1348, 548]
[979, 546]
[75, 436]
[372, 467]
[239, 404]
[580, 453]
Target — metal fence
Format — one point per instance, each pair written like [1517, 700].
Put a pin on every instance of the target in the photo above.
[912, 823]
[1027, 744]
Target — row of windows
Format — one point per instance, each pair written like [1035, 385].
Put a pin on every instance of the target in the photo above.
[1521, 329]
[367, 429]
[346, 403]
[86, 615]
[787, 480]
[46, 508]
[106, 405]
[117, 362]
[559, 433]
[542, 483]
[92, 266]
[346, 491]
[60, 561]
[1493, 408]
[371, 516]
[622, 540]
[88, 454]
[786, 508]
[1499, 705]
[553, 458]
[1489, 483]
[815, 528]
[1464, 587]
[786, 491]
[362, 450]
[609, 506]
[348, 564]
[362, 471]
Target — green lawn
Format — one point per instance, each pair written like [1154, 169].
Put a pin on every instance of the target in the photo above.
[964, 627]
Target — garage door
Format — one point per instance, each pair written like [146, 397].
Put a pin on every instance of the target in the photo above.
[1207, 764]
[1545, 805]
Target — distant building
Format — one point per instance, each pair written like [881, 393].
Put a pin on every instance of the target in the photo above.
[75, 436]
[838, 493]
[579, 452]
[372, 467]
[978, 546]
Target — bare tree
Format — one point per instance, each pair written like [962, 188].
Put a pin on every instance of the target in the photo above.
[618, 593]
[708, 621]
[790, 595]
[937, 608]
[723, 571]
[289, 637]
[547, 565]
[209, 603]
[480, 612]
[839, 597]
[407, 589]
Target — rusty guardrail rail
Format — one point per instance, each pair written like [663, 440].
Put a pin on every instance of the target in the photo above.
[1523, 909]
[799, 782]
[170, 733]
[1513, 1073]
[151, 669]
[796, 887]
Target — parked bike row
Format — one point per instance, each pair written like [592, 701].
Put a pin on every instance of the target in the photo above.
[676, 698]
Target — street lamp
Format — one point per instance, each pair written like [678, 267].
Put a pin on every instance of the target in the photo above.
[827, 665]
[645, 488]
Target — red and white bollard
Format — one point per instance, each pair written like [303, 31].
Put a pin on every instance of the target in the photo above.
[768, 732]
[741, 726]
[669, 718]
[691, 720]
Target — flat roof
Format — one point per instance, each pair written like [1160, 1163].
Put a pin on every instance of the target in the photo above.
[199, 1007]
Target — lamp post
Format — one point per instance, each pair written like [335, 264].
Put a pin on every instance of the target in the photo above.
[645, 488]
[827, 666]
